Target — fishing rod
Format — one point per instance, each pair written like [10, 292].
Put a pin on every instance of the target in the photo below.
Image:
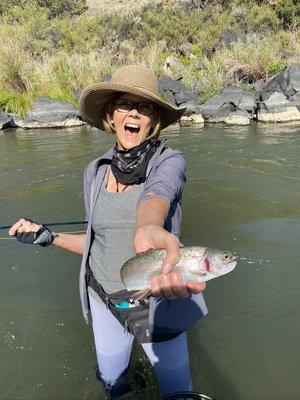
[3, 227]
[186, 396]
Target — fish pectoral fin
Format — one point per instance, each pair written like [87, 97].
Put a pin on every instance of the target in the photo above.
[196, 275]
[201, 273]
[141, 294]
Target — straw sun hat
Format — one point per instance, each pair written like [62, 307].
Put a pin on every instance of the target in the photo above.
[130, 79]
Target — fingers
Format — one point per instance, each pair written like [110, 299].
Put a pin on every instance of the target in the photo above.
[195, 287]
[178, 285]
[156, 287]
[170, 286]
[173, 253]
[23, 226]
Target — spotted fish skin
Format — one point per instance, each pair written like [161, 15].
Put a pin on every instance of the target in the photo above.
[196, 263]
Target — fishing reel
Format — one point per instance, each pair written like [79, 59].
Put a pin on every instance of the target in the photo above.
[186, 396]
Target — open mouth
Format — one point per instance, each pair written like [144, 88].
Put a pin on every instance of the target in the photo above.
[231, 265]
[131, 129]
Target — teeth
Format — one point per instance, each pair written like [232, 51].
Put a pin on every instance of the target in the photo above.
[132, 126]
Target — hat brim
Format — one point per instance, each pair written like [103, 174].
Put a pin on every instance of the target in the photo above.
[93, 98]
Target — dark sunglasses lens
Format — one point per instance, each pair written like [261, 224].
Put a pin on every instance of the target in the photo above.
[145, 108]
[123, 105]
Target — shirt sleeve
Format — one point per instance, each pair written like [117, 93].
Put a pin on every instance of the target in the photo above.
[167, 180]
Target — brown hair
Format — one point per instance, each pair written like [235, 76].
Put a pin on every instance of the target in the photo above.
[109, 128]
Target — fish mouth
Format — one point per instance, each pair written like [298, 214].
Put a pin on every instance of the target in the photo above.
[232, 264]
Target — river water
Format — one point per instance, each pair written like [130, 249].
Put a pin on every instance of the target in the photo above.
[243, 194]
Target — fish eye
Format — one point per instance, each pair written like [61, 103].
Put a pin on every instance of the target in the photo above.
[226, 256]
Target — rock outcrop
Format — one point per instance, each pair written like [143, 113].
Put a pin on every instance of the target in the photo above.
[228, 38]
[276, 108]
[286, 82]
[280, 97]
[233, 106]
[6, 121]
[276, 101]
[176, 93]
[48, 113]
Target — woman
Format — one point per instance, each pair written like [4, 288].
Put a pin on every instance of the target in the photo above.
[132, 199]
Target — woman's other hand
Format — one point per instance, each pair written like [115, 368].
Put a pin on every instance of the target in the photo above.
[30, 232]
[27, 231]
[23, 225]
[169, 284]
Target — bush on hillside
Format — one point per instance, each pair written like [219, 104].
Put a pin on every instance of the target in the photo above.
[55, 8]
[261, 18]
[289, 13]
[250, 61]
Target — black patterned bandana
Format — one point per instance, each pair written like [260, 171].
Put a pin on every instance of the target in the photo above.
[130, 166]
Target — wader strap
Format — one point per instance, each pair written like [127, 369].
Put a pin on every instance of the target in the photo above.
[92, 282]
[136, 319]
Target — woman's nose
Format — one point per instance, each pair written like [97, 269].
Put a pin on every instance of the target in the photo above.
[134, 112]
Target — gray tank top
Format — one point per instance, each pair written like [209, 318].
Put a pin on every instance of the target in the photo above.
[113, 222]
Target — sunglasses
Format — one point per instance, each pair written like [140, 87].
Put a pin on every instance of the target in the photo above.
[124, 106]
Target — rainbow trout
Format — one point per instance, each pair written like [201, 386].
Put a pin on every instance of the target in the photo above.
[196, 263]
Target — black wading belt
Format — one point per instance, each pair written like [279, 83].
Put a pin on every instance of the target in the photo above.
[134, 319]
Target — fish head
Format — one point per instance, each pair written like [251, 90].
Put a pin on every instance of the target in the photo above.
[219, 262]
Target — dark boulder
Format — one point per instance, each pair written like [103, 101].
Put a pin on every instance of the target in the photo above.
[167, 83]
[175, 92]
[48, 113]
[191, 108]
[231, 100]
[5, 121]
[280, 97]
[295, 99]
[184, 96]
[186, 49]
[286, 82]
[259, 85]
[277, 108]
[228, 38]
[242, 100]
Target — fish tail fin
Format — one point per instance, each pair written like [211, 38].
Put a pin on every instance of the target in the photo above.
[141, 294]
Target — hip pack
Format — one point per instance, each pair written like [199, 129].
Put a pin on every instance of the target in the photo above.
[134, 319]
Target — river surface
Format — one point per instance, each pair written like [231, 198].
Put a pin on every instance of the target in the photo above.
[243, 194]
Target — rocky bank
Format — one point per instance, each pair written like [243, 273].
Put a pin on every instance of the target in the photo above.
[277, 100]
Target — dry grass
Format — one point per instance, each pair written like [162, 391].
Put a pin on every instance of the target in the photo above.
[58, 56]
[100, 7]
[257, 58]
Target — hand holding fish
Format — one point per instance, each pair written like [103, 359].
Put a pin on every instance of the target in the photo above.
[169, 283]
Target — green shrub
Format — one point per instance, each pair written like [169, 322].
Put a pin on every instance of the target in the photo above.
[29, 25]
[12, 61]
[261, 18]
[7, 4]
[55, 8]
[17, 103]
[289, 13]
[211, 80]
[81, 37]
[253, 60]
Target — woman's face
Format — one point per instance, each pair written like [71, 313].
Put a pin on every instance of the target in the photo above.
[132, 127]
